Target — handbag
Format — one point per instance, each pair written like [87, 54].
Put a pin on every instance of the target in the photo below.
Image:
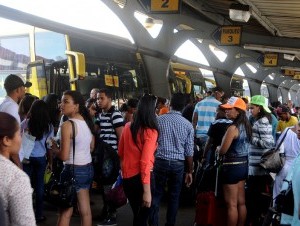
[116, 195]
[63, 192]
[284, 202]
[272, 160]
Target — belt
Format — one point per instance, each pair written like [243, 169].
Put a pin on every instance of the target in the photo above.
[71, 165]
[170, 160]
[234, 163]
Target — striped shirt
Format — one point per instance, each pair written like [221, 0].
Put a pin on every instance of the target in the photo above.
[108, 122]
[262, 140]
[176, 137]
[206, 111]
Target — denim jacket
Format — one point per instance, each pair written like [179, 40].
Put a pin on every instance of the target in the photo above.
[239, 147]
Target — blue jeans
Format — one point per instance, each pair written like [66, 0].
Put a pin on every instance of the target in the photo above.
[36, 171]
[83, 175]
[171, 171]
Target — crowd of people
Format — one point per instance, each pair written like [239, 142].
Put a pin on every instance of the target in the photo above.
[159, 143]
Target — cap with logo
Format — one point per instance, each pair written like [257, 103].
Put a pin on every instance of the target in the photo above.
[13, 82]
[260, 101]
[235, 102]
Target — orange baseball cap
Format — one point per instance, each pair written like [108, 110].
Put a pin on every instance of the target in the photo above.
[235, 102]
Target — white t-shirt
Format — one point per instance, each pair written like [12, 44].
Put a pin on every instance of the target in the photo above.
[11, 107]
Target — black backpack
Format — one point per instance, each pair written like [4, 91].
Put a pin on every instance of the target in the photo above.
[106, 162]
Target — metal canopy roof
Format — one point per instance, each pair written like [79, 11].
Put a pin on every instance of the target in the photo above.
[269, 17]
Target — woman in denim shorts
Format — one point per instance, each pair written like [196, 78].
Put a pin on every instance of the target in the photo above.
[234, 151]
[72, 105]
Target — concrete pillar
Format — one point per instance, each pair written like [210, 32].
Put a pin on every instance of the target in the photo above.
[224, 82]
[254, 87]
[158, 70]
[272, 94]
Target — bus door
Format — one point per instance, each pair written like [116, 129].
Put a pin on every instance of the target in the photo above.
[36, 74]
[55, 76]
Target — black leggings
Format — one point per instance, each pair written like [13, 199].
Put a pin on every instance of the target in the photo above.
[133, 189]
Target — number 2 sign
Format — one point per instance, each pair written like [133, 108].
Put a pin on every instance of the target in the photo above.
[165, 6]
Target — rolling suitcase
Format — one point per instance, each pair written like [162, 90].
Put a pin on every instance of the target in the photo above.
[210, 209]
[205, 209]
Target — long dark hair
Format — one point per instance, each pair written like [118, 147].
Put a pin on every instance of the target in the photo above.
[262, 113]
[8, 126]
[52, 102]
[39, 121]
[144, 117]
[25, 105]
[242, 120]
[83, 111]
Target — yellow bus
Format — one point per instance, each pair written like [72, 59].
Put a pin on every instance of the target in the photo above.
[55, 62]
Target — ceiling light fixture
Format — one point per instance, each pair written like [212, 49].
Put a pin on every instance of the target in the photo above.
[272, 49]
[289, 57]
[239, 12]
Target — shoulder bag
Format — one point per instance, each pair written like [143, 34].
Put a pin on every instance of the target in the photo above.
[63, 192]
[273, 160]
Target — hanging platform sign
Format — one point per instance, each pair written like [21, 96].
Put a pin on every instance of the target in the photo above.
[231, 35]
[270, 59]
[228, 35]
[297, 75]
[170, 6]
[161, 6]
[289, 72]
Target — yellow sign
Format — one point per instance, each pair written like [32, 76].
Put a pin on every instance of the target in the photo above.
[111, 80]
[165, 5]
[270, 59]
[116, 81]
[297, 75]
[289, 72]
[231, 35]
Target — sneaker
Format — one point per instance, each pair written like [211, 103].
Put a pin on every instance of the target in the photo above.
[110, 221]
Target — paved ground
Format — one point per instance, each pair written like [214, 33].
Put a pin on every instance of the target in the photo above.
[185, 214]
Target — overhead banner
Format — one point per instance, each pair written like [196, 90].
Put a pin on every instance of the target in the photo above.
[231, 35]
[270, 59]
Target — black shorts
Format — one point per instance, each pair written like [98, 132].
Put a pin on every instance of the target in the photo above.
[232, 174]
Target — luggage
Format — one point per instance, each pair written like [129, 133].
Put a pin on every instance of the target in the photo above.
[205, 178]
[205, 209]
[210, 208]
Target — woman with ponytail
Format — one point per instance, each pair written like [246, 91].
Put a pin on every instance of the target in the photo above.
[73, 106]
